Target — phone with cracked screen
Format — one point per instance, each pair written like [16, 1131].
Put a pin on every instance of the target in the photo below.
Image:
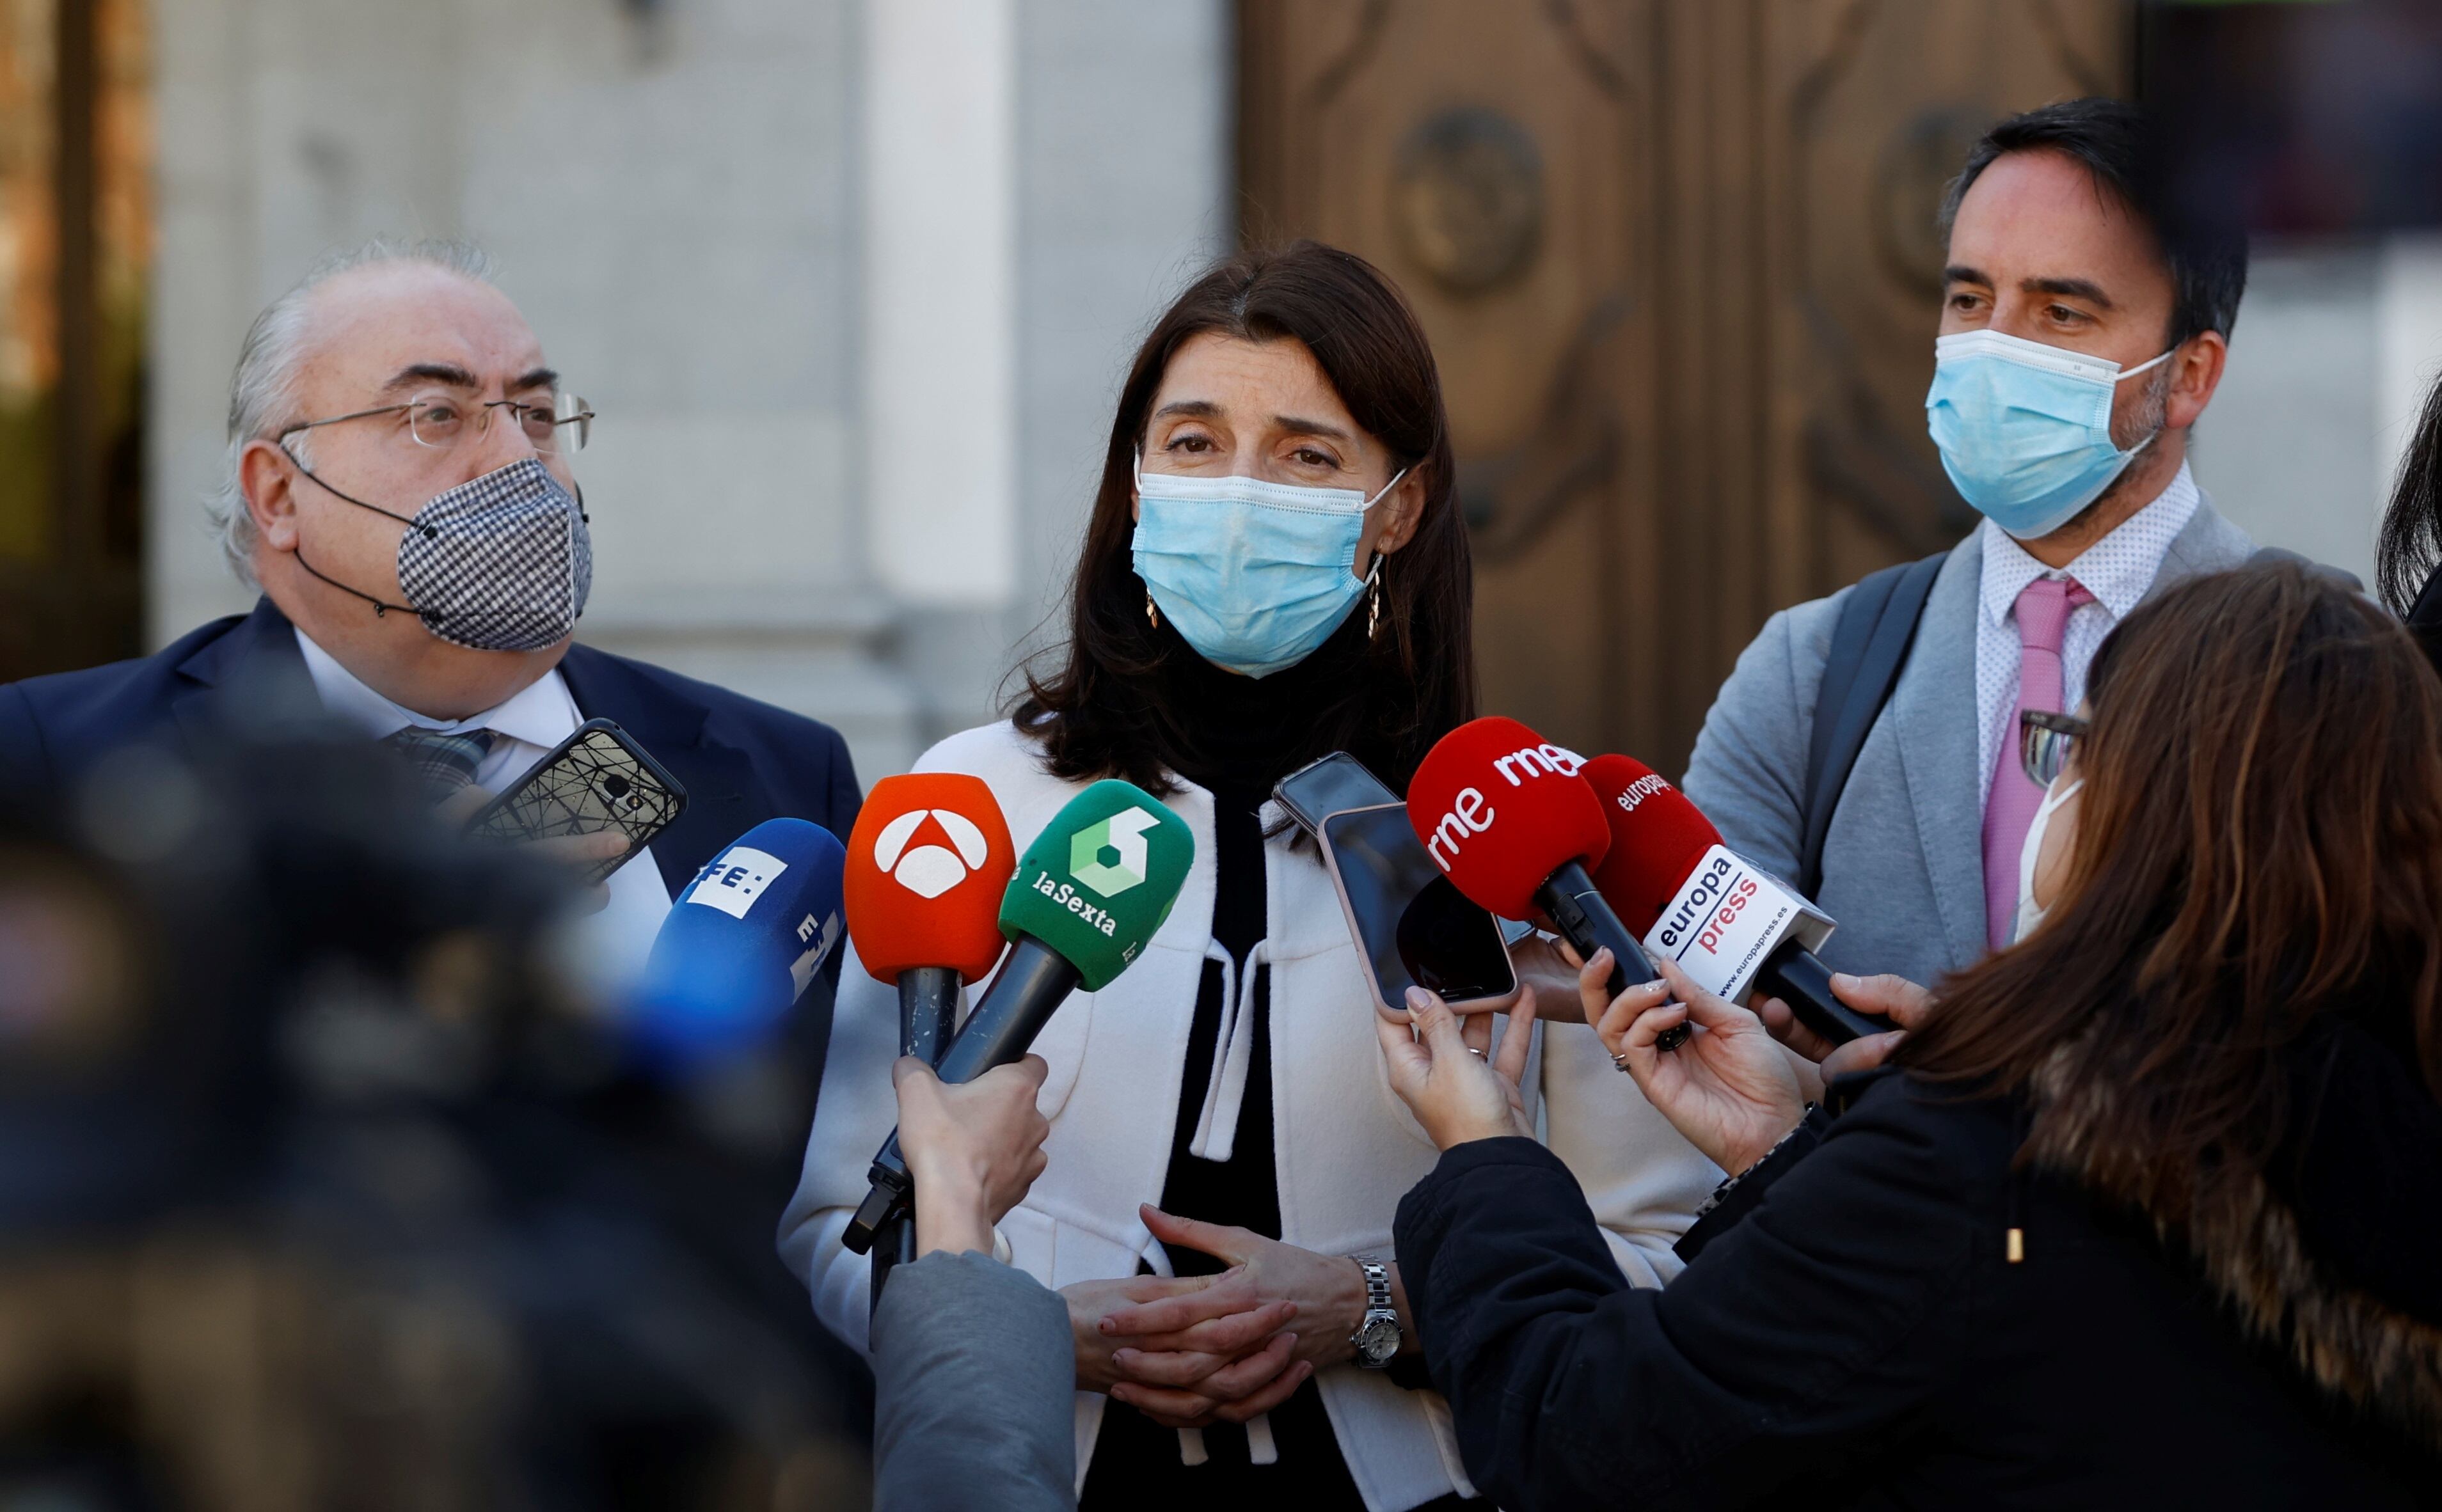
[598, 778]
[1411, 927]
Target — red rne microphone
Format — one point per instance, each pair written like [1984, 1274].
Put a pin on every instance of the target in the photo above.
[1508, 817]
[1727, 924]
[927, 862]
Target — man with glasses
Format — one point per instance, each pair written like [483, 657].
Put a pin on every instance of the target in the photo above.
[400, 484]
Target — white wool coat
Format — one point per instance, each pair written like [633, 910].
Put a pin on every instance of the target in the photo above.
[1346, 1149]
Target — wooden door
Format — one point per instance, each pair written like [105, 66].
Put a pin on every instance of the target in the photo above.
[1680, 263]
[76, 219]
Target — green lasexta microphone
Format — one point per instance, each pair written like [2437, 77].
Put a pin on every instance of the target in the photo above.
[1087, 897]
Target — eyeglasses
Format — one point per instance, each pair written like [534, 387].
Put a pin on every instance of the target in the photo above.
[440, 421]
[2044, 742]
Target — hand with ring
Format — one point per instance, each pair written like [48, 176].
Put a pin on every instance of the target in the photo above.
[1459, 1096]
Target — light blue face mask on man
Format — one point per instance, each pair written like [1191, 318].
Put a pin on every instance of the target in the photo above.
[2025, 430]
[1255, 574]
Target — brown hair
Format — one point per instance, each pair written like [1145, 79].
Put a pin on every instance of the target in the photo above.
[1108, 709]
[2259, 844]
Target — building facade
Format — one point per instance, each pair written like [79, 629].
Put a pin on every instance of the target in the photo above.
[849, 285]
[852, 285]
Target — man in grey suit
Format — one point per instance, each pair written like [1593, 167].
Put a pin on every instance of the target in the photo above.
[2081, 338]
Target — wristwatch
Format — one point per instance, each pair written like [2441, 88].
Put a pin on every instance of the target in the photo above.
[1377, 1335]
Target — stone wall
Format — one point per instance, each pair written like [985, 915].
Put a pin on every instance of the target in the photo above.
[686, 197]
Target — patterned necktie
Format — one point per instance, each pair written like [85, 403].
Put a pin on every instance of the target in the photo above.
[2044, 608]
[445, 763]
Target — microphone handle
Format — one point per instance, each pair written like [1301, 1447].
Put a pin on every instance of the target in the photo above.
[1794, 975]
[1034, 981]
[1585, 919]
[928, 1012]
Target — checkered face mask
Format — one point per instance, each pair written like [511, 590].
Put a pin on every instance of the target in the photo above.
[500, 563]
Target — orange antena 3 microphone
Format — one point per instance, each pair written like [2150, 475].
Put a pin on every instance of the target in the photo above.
[1510, 821]
[1729, 925]
[1083, 902]
[926, 864]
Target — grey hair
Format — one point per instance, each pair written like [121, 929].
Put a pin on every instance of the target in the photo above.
[261, 398]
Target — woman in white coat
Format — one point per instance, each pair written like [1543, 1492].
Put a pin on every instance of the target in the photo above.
[1275, 569]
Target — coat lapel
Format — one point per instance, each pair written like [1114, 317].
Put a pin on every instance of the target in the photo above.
[723, 799]
[1933, 707]
[2207, 543]
[256, 664]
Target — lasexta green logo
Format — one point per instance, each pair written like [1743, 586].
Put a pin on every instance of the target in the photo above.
[1109, 856]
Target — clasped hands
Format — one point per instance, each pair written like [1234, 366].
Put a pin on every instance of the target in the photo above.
[1191, 1349]
[1185, 1351]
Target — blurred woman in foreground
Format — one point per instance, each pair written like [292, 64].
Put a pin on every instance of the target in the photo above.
[2148, 1211]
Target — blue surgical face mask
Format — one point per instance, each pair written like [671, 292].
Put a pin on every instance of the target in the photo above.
[1255, 574]
[2025, 430]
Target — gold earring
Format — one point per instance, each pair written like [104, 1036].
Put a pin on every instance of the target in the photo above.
[1153, 615]
[1373, 600]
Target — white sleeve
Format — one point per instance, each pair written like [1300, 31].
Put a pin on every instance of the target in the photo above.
[1642, 1178]
[854, 1113]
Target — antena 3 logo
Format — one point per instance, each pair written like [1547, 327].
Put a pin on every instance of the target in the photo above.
[929, 870]
[1109, 856]
[1471, 814]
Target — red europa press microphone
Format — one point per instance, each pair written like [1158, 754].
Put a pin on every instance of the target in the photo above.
[1506, 815]
[927, 865]
[1694, 901]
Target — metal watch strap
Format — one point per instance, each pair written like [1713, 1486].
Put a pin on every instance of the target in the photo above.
[1377, 1309]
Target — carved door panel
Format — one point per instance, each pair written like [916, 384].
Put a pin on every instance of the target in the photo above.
[1679, 262]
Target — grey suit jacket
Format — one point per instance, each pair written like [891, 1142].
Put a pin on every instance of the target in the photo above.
[1903, 862]
[974, 1390]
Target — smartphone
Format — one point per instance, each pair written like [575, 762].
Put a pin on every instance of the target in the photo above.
[1411, 927]
[1320, 789]
[598, 778]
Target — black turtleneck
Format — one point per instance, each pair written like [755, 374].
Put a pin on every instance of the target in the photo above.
[1237, 736]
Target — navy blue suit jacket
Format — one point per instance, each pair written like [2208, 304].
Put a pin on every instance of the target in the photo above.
[740, 761]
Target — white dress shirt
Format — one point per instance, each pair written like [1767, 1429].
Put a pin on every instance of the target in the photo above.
[2117, 569]
[525, 726]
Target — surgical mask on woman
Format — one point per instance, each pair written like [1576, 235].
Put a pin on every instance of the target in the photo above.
[1255, 574]
[2030, 914]
[2025, 429]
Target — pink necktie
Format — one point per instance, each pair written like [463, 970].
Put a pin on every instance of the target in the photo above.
[2044, 608]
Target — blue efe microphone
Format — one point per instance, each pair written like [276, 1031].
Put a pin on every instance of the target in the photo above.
[740, 945]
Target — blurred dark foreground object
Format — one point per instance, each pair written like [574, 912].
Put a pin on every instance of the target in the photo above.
[307, 1195]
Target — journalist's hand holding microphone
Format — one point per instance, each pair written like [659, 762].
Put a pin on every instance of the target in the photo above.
[1896, 998]
[973, 1147]
[1728, 1090]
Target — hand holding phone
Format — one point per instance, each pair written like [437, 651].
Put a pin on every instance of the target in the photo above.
[1413, 928]
[597, 783]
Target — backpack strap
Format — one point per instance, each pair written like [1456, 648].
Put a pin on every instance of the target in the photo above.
[1870, 643]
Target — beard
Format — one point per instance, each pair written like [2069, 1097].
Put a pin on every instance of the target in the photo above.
[2146, 417]
[2143, 423]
